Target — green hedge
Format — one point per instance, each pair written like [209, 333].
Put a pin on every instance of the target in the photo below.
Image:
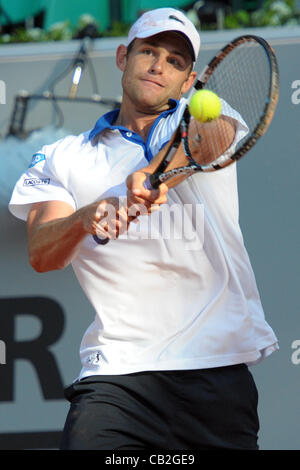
[273, 13]
[62, 31]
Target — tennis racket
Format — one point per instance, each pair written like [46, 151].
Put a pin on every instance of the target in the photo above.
[244, 74]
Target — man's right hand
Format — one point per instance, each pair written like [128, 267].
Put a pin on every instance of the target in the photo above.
[55, 229]
[107, 218]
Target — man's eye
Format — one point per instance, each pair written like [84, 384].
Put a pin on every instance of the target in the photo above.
[147, 51]
[175, 62]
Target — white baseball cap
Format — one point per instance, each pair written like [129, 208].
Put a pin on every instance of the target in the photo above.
[165, 19]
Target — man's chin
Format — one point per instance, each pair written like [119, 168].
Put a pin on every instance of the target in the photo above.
[152, 107]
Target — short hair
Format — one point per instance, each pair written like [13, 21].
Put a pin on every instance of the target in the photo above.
[130, 47]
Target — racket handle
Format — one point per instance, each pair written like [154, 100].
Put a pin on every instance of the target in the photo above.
[100, 241]
[147, 184]
[152, 182]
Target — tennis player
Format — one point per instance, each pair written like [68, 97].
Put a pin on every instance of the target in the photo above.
[178, 317]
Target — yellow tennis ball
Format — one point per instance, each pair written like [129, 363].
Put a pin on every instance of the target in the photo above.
[205, 105]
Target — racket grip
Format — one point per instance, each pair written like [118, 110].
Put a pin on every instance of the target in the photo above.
[147, 184]
[100, 241]
[152, 182]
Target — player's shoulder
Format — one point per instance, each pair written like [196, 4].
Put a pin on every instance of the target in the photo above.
[67, 144]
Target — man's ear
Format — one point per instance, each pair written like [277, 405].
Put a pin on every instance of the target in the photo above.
[121, 57]
[188, 83]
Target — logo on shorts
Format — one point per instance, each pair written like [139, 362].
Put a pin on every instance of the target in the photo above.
[36, 181]
[37, 158]
[94, 359]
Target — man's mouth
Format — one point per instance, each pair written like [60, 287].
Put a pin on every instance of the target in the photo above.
[153, 82]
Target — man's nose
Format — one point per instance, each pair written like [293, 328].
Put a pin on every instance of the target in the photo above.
[157, 65]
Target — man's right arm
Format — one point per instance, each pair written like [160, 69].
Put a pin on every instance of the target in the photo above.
[55, 230]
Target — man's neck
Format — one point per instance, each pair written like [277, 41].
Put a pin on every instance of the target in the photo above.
[136, 121]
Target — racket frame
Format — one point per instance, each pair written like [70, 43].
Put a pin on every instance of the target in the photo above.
[268, 112]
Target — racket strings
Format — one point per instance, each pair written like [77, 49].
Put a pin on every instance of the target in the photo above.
[245, 76]
[242, 80]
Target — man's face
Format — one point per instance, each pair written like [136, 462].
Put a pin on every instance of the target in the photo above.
[156, 69]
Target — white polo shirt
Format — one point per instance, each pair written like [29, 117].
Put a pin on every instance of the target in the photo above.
[176, 291]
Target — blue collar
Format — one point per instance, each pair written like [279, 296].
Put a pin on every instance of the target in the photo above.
[107, 121]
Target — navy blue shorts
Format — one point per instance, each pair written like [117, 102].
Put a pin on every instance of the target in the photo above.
[167, 410]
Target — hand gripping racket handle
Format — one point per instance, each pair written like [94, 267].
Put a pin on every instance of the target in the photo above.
[152, 182]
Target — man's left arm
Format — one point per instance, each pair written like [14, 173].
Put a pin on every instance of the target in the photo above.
[216, 137]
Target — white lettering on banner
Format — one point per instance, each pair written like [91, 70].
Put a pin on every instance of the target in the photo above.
[295, 358]
[2, 352]
[2, 92]
[296, 94]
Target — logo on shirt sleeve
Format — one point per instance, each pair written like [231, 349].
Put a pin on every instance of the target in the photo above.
[36, 181]
[37, 158]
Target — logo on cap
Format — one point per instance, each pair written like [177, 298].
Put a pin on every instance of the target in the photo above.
[172, 17]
